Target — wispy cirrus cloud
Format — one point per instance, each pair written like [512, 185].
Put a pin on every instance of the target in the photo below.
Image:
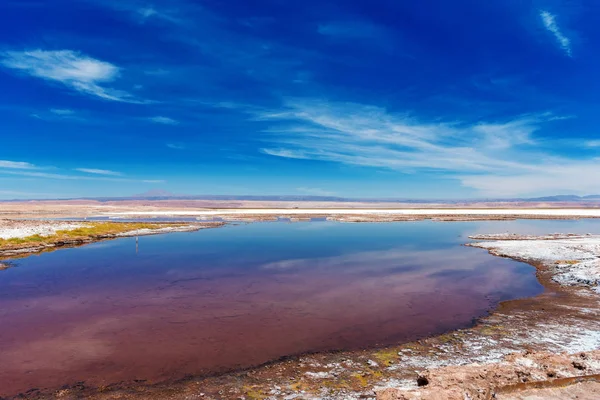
[98, 171]
[151, 12]
[143, 11]
[16, 164]
[163, 120]
[592, 143]
[62, 111]
[176, 146]
[498, 158]
[26, 169]
[549, 21]
[70, 177]
[76, 71]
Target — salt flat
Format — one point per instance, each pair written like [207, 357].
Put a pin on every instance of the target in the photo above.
[549, 212]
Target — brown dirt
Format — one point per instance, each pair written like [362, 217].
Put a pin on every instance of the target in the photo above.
[580, 389]
[516, 375]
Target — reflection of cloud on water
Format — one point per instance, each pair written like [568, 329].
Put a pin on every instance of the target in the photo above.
[410, 271]
[374, 260]
[73, 347]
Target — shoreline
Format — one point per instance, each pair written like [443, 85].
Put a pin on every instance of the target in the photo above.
[566, 315]
[35, 243]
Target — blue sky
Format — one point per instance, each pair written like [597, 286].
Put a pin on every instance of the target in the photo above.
[431, 99]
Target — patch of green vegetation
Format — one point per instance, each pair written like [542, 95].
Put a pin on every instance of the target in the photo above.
[490, 330]
[25, 240]
[337, 384]
[108, 228]
[361, 379]
[254, 394]
[568, 262]
[447, 337]
[365, 380]
[386, 357]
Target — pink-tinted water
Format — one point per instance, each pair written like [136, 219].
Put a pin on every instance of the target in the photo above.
[234, 297]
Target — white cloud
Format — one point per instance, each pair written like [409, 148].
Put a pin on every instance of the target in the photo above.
[569, 177]
[145, 13]
[592, 143]
[163, 120]
[21, 168]
[62, 111]
[60, 176]
[16, 165]
[549, 21]
[98, 171]
[176, 146]
[498, 158]
[79, 72]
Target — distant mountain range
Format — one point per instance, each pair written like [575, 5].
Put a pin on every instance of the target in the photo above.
[160, 194]
[567, 197]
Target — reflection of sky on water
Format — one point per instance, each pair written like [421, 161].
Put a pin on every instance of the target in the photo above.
[241, 295]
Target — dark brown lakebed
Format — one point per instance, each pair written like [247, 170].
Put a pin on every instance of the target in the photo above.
[222, 299]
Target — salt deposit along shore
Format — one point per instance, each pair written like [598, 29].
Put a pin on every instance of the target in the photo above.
[574, 260]
[23, 237]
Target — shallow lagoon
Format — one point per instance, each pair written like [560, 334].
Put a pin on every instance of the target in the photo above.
[241, 295]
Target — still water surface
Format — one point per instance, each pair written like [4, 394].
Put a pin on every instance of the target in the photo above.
[237, 296]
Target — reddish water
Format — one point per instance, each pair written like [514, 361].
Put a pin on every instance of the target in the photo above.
[238, 296]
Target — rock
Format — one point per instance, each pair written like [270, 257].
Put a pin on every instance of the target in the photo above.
[479, 382]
